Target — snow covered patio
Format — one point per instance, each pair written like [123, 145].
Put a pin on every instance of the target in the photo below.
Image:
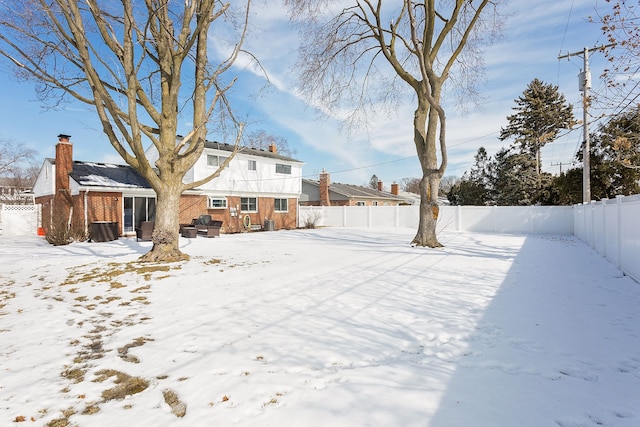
[339, 327]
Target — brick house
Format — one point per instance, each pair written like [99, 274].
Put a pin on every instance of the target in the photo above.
[258, 185]
[325, 193]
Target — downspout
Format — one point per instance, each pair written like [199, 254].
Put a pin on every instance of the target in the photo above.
[86, 214]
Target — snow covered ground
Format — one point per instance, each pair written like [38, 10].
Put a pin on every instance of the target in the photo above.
[329, 327]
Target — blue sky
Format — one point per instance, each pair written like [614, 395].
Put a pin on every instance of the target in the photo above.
[536, 33]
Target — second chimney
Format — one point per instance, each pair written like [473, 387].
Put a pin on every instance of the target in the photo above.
[323, 188]
[64, 163]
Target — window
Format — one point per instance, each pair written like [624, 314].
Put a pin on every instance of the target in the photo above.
[280, 168]
[361, 203]
[217, 203]
[281, 205]
[252, 165]
[374, 203]
[213, 160]
[248, 204]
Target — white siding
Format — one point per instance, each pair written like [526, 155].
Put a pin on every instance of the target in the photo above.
[45, 182]
[237, 179]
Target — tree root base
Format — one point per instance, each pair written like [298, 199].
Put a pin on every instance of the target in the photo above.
[164, 256]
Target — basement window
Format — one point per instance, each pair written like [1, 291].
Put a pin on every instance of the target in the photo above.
[217, 203]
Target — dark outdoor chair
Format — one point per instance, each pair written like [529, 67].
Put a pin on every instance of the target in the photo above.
[144, 232]
[203, 220]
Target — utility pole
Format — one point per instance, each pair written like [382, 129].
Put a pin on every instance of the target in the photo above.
[584, 83]
[559, 164]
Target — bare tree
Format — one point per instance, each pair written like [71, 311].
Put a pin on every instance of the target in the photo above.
[17, 172]
[410, 185]
[262, 140]
[447, 183]
[139, 64]
[14, 159]
[620, 24]
[366, 47]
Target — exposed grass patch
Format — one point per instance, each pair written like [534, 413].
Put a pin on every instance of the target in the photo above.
[64, 420]
[126, 385]
[110, 299]
[91, 409]
[110, 271]
[76, 374]
[123, 352]
[178, 408]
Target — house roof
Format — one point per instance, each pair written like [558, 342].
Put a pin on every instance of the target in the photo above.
[248, 150]
[92, 174]
[356, 191]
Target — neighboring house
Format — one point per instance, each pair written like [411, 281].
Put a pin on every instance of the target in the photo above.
[413, 199]
[325, 193]
[257, 186]
[14, 194]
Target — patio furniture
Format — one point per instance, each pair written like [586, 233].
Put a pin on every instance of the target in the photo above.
[211, 230]
[144, 232]
[189, 232]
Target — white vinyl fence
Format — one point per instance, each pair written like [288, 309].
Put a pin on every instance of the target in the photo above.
[612, 228]
[19, 220]
[487, 219]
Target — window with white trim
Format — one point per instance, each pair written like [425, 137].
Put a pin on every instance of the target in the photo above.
[282, 168]
[249, 204]
[217, 203]
[281, 205]
[361, 203]
[215, 161]
[252, 165]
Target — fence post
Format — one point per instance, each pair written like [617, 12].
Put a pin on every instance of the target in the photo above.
[494, 217]
[619, 231]
[604, 227]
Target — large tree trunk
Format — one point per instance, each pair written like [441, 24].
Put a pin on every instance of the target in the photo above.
[165, 236]
[425, 140]
[429, 209]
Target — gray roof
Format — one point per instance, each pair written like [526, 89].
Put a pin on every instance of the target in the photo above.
[91, 174]
[249, 151]
[357, 191]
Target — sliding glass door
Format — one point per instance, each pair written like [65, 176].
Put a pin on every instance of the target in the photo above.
[138, 209]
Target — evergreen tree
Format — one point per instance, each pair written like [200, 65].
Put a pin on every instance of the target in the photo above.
[373, 182]
[541, 112]
[513, 178]
[472, 189]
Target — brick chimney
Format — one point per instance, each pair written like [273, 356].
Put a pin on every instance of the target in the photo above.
[394, 189]
[64, 163]
[324, 188]
[272, 148]
[380, 186]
